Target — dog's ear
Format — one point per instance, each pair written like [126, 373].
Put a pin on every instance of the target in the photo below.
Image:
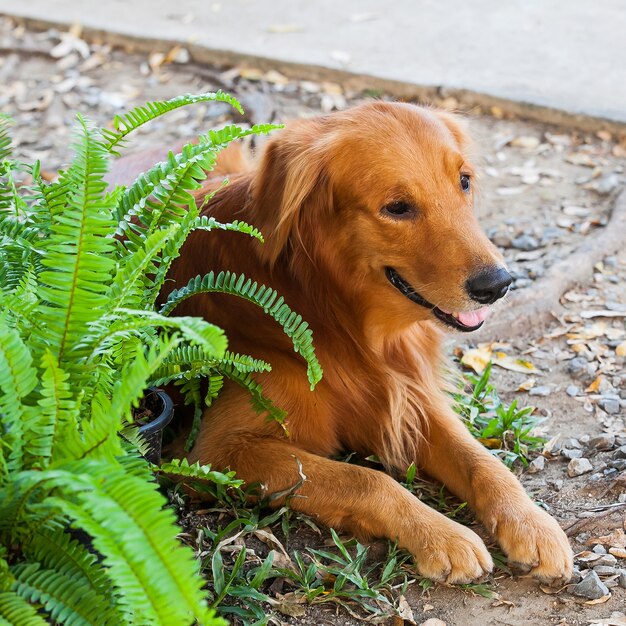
[291, 186]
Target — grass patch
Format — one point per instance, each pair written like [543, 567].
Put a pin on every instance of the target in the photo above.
[262, 565]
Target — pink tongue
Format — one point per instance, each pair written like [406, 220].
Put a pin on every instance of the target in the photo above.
[473, 318]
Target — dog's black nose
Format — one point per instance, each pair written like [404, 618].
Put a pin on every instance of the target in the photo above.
[489, 284]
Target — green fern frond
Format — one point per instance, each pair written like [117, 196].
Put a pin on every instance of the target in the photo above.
[227, 282]
[125, 124]
[79, 254]
[210, 223]
[181, 469]
[58, 416]
[18, 378]
[15, 611]
[259, 402]
[55, 549]
[66, 600]
[5, 138]
[129, 284]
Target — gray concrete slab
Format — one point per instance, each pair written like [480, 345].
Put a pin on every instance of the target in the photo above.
[568, 55]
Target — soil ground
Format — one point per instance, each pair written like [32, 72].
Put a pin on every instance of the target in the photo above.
[544, 192]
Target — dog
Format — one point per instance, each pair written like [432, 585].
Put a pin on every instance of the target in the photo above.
[371, 237]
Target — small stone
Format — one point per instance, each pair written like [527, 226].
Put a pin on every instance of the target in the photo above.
[606, 559]
[537, 465]
[591, 587]
[620, 453]
[604, 570]
[571, 453]
[610, 404]
[602, 442]
[542, 390]
[618, 553]
[556, 484]
[572, 390]
[578, 467]
[621, 498]
[619, 464]
[599, 549]
[502, 240]
[571, 442]
[525, 242]
[576, 576]
[578, 368]
[622, 578]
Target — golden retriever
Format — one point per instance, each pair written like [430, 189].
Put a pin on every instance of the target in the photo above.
[371, 237]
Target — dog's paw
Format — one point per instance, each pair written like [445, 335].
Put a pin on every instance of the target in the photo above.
[452, 554]
[535, 544]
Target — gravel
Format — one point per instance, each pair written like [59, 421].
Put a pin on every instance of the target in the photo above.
[590, 587]
[578, 467]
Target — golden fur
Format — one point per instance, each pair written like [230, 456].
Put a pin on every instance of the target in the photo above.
[316, 193]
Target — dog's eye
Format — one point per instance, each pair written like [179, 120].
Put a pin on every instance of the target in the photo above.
[399, 208]
[465, 182]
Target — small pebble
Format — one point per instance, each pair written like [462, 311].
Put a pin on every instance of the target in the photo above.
[610, 404]
[604, 570]
[571, 442]
[502, 240]
[525, 242]
[537, 465]
[622, 578]
[571, 453]
[591, 587]
[578, 467]
[599, 549]
[542, 390]
[572, 390]
[602, 442]
[578, 368]
[620, 453]
[619, 464]
[606, 559]
[621, 497]
[576, 576]
[556, 484]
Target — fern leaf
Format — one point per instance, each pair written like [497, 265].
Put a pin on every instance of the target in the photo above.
[58, 416]
[5, 137]
[18, 378]
[125, 124]
[15, 611]
[266, 298]
[259, 402]
[182, 469]
[210, 223]
[79, 255]
[66, 600]
[127, 289]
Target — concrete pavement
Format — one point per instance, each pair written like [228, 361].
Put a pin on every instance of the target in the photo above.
[566, 55]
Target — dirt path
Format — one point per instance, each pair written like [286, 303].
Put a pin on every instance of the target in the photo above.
[544, 194]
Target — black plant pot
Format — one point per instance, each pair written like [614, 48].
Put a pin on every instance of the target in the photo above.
[152, 432]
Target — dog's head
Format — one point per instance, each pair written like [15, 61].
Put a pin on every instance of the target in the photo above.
[380, 199]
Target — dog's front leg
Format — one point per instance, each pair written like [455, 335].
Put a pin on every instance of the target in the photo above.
[530, 537]
[365, 502]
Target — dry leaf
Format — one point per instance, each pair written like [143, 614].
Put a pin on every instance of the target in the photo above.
[514, 364]
[405, 611]
[527, 385]
[602, 313]
[617, 539]
[477, 358]
[526, 141]
[594, 387]
[601, 600]
[289, 604]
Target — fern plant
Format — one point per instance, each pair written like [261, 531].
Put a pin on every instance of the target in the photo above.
[81, 267]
